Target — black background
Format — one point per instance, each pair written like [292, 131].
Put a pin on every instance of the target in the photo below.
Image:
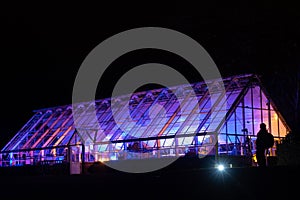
[43, 46]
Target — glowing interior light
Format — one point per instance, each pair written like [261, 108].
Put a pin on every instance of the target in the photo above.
[220, 167]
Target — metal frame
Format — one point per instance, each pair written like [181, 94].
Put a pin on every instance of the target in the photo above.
[174, 138]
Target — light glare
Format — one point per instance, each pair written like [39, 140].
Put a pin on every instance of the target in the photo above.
[220, 167]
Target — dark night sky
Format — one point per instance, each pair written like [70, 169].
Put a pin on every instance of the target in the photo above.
[42, 48]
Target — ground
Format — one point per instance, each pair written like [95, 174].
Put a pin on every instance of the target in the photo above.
[276, 182]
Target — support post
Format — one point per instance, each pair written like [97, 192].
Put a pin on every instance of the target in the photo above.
[69, 158]
[83, 159]
[216, 149]
[176, 146]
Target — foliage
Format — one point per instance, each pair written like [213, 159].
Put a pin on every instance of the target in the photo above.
[288, 151]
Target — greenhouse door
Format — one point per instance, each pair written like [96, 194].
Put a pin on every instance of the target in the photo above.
[75, 160]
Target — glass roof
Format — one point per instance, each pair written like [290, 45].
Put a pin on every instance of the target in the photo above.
[151, 115]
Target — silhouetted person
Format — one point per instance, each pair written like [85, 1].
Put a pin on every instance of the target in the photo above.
[248, 146]
[261, 145]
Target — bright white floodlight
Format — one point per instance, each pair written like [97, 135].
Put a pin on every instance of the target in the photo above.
[221, 167]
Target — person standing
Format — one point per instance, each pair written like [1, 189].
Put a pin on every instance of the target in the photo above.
[261, 145]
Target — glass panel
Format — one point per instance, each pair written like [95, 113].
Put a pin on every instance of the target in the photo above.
[239, 119]
[274, 123]
[141, 111]
[169, 142]
[173, 108]
[231, 124]
[206, 105]
[102, 147]
[200, 139]
[249, 120]
[222, 138]
[231, 139]
[141, 131]
[151, 143]
[189, 105]
[187, 140]
[256, 97]
[248, 99]
[282, 129]
[182, 118]
[72, 139]
[180, 140]
[266, 118]
[174, 129]
[232, 97]
[264, 101]
[100, 135]
[192, 129]
[257, 120]
[183, 130]
[224, 128]
[207, 139]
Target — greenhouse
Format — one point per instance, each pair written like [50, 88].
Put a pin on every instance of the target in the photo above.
[164, 122]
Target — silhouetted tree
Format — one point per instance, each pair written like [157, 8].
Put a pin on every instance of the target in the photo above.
[288, 151]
